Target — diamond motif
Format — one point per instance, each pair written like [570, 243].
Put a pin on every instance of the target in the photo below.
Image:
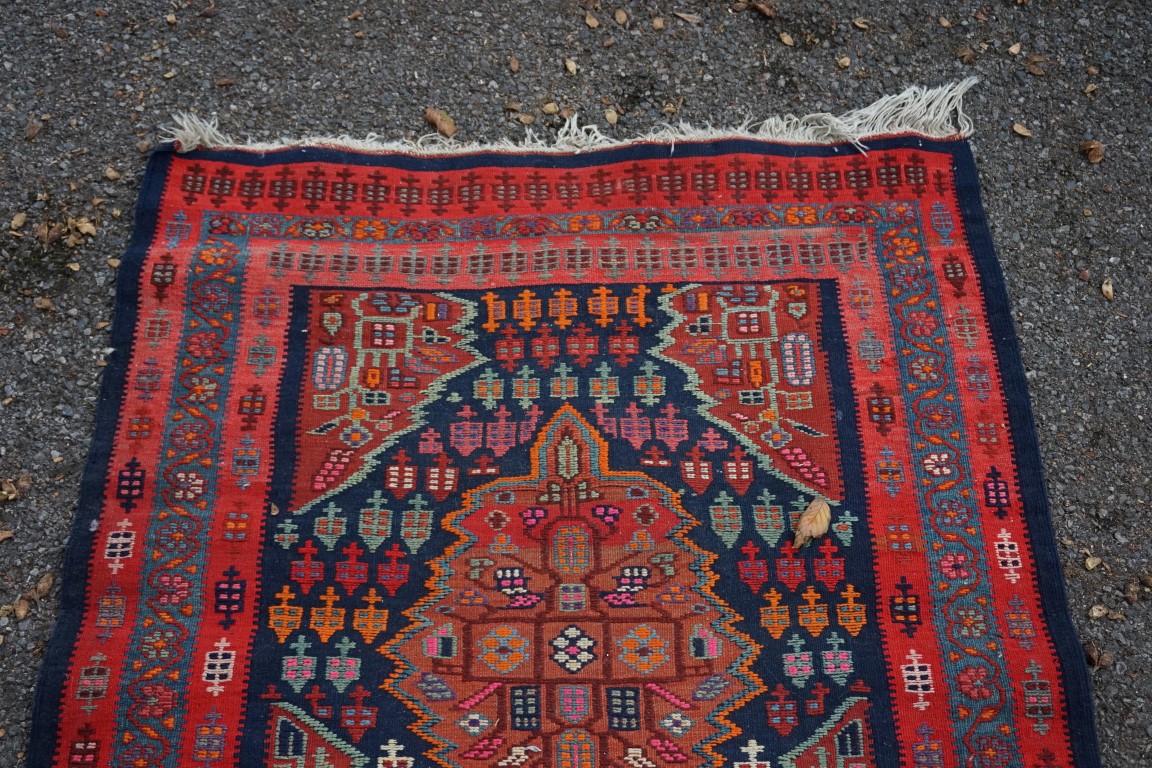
[475, 723]
[503, 649]
[676, 723]
[643, 649]
[573, 649]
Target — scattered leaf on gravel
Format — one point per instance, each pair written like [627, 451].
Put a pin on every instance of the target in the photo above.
[787, 39]
[514, 64]
[860, 22]
[813, 522]
[114, 263]
[691, 18]
[224, 82]
[658, 23]
[212, 10]
[1107, 659]
[765, 10]
[591, 21]
[1021, 130]
[1146, 580]
[1014, 49]
[20, 609]
[1098, 611]
[441, 121]
[1107, 289]
[966, 55]
[1032, 65]
[43, 586]
[1132, 591]
[1090, 89]
[1092, 653]
[171, 19]
[44, 303]
[525, 118]
[621, 16]
[32, 129]
[550, 108]
[8, 490]
[61, 33]
[611, 116]
[570, 65]
[1092, 563]
[945, 23]
[6, 534]
[74, 266]
[843, 62]
[1093, 150]
[18, 221]
[111, 174]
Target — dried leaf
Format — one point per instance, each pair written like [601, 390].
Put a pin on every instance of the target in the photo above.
[1093, 70]
[224, 82]
[570, 65]
[550, 108]
[514, 64]
[813, 522]
[8, 490]
[1032, 65]
[611, 116]
[860, 22]
[843, 62]
[1014, 49]
[1146, 579]
[1132, 592]
[1093, 150]
[18, 221]
[765, 10]
[111, 174]
[441, 121]
[1021, 130]
[945, 23]
[44, 303]
[658, 23]
[43, 586]
[32, 129]
[274, 509]
[525, 118]
[61, 33]
[212, 10]
[966, 55]
[1092, 563]
[787, 39]
[6, 534]
[113, 263]
[1091, 653]
[621, 16]
[1107, 289]
[591, 21]
[20, 609]
[1090, 89]
[691, 18]
[1098, 611]
[171, 19]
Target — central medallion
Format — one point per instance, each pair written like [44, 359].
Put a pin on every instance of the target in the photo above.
[578, 573]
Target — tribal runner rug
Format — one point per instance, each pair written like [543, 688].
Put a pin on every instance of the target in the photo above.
[444, 456]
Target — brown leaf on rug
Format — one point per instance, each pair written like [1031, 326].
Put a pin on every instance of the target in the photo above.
[441, 121]
[813, 522]
[1093, 150]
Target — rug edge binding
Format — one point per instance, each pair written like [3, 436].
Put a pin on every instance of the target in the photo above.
[935, 113]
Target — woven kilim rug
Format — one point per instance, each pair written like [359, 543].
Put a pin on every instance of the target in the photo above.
[432, 455]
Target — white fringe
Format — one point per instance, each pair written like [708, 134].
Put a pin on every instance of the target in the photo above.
[936, 113]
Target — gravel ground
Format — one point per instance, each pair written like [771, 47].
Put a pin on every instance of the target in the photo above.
[87, 90]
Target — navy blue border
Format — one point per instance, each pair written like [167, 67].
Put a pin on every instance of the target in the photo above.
[78, 560]
[1076, 684]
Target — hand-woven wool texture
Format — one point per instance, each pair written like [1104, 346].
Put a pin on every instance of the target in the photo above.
[494, 457]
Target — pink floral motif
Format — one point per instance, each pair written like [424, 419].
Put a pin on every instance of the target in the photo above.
[973, 683]
[954, 566]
